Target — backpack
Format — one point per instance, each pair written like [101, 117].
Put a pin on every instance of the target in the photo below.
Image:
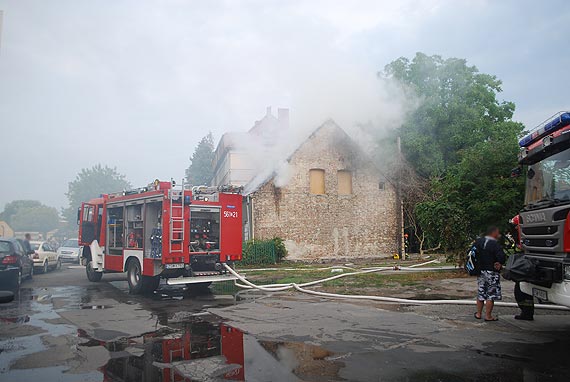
[519, 268]
[472, 265]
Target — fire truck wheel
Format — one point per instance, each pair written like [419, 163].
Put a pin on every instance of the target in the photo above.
[91, 274]
[134, 276]
[139, 284]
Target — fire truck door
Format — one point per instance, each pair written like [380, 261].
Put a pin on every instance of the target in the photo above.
[88, 223]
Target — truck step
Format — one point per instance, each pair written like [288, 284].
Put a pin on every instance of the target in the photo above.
[200, 279]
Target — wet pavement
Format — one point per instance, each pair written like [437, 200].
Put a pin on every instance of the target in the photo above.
[63, 328]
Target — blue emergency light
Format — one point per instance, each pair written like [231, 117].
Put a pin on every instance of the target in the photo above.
[556, 122]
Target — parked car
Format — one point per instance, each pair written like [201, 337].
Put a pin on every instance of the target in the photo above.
[70, 251]
[45, 258]
[15, 264]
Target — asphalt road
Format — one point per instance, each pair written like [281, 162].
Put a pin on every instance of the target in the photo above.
[64, 328]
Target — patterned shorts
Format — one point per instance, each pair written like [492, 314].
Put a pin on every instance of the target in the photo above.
[489, 286]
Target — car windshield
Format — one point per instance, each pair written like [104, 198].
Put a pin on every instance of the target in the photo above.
[549, 179]
[5, 247]
[70, 243]
[35, 246]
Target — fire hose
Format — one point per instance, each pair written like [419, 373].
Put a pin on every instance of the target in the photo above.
[404, 301]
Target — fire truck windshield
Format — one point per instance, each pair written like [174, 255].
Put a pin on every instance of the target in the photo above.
[548, 181]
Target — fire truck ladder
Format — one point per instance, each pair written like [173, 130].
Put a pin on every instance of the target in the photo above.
[176, 217]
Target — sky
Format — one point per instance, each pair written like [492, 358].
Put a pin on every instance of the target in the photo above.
[136, 84]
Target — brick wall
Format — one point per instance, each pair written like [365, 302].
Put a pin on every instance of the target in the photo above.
[329, 226]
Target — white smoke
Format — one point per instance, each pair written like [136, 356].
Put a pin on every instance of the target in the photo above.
[364, 104]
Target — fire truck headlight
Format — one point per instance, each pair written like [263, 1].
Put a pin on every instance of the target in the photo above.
[205, 199]
[567, 272]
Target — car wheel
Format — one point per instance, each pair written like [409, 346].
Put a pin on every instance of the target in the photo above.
[6, 296]
[58, 264]
[45, 268]
[92, 275]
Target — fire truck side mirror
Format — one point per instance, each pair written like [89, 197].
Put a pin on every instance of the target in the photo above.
[78, 215]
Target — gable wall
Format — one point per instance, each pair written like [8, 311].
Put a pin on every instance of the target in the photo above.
[329, 226]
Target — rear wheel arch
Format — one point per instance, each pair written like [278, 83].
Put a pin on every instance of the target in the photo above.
[129, 260]
[86, 252]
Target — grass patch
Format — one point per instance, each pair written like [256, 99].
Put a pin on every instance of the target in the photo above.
[367, 280]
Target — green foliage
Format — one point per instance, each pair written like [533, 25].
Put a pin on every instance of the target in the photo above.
[200, 170]
[280, 249]
[459, 109]
[30, 215]
[259, 252]
[91, 183]
[463, 141]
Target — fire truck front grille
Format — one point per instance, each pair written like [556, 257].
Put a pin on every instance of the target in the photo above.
[541, 230]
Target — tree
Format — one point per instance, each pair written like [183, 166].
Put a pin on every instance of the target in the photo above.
[200, 170]
[30, 215]
[11, 209]
[91, 183]
[414, 190]
[463, 142]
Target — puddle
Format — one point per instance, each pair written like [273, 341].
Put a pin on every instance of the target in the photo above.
[205, 350]
[16, 320]
[196, 345]
[192, 345]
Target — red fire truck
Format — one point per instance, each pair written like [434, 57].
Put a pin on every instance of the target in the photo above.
[544, 222]
[164, 230]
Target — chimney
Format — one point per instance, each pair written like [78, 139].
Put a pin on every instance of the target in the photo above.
[283, 118]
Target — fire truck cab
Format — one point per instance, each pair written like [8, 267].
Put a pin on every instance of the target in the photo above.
[545, 218]
[183, 235]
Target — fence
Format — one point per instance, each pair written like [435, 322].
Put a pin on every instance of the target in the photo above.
[258, 252]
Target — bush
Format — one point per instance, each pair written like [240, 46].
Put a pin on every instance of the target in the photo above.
[280, 249]
[263, 251]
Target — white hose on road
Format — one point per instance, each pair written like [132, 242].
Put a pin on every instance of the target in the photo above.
[283, 287]
[299, 287]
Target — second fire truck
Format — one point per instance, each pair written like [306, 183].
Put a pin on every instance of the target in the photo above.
[545, 219]
[183, 235]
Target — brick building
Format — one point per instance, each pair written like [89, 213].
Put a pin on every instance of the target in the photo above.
[332, 204]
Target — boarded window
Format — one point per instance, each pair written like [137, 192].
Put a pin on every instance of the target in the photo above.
[317, 181]
[344, 182]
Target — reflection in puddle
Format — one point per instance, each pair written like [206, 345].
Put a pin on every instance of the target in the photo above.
[202, 350]
[305, 360]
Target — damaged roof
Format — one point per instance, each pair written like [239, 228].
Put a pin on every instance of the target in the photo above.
[264, 177]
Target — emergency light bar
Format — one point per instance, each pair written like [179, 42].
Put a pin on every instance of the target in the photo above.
[556, 122]
[552, 143]
[228, 189]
